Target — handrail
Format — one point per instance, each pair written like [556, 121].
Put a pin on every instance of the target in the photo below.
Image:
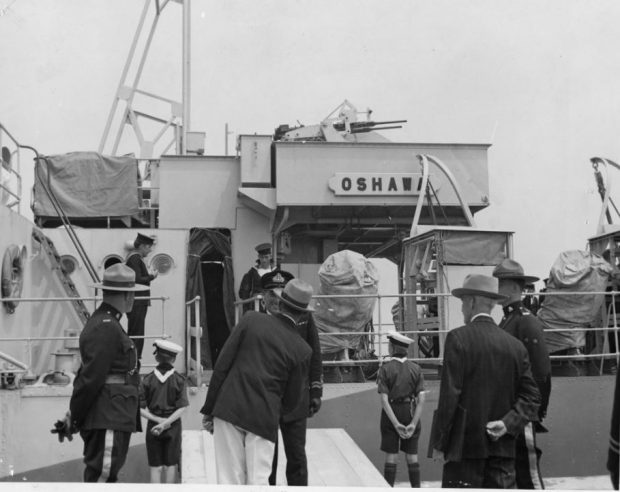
[19, 146]
[64, 219]
[193, 331]
[424, 158]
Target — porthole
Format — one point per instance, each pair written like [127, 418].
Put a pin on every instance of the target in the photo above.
[110, 260]
[13, 263]
[162, 263]
[68, 264]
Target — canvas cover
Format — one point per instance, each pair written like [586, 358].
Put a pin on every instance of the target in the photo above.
[345, 273]
[475, 248]
[573, 271]
[87, 184]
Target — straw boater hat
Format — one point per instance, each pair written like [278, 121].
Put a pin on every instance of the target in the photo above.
[479, 285]
[399, 340]
[296, 294]
[276, 279]
[120, 277]
[167, 347]
[263, 249]
[511, 270]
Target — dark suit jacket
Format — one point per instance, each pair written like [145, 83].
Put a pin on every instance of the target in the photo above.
[487, 372]
[260, 374]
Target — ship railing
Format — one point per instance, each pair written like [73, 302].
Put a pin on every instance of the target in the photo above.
[29, 340]
[428, 331]
[193, 334]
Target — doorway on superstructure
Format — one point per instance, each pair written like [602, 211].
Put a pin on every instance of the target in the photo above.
[210, 276]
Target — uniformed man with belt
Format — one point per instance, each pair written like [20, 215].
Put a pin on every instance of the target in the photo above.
[522, 324]
[104, 406]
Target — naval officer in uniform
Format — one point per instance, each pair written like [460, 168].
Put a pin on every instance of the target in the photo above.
[144, 276]
[104, 406]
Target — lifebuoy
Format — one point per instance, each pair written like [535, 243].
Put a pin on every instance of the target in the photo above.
[12, 276]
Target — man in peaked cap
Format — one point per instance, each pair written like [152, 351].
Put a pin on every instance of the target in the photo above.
[264, 367]
[104, 405]
[487, 394]
[143, 245]
[250, 283]
[523, 325]
[293, 425]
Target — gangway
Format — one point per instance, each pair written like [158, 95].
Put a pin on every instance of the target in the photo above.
[334, 460]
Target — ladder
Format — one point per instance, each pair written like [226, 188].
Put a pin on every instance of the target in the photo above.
[48, 247]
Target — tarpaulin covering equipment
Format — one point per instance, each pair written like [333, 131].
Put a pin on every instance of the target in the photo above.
[573, 271]
[87, 184]
[345, 273]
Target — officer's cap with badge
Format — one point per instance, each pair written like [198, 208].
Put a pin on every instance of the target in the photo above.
[142, 239]
[166, 347]
[511, 270]
[119, 277]
[276, 279]
[399, 340]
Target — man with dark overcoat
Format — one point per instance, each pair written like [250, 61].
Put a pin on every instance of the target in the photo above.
[250, 283]
[487, 394]
[523, 325]
[104, 405]
[260, 374]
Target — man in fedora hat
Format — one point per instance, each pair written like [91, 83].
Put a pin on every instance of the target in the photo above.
[523, 325]
[293, 425]
[104, 405]
[250, 283]
[260, 374]
[487, 394]
[143, 245]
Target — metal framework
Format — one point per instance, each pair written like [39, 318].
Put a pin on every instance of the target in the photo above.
[177, 121]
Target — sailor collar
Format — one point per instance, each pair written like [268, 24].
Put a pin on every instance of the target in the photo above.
[402, 360]
[162, 377]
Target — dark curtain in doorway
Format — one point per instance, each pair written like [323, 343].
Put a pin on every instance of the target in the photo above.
[212, 246]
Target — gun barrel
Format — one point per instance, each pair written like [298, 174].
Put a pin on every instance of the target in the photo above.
[364, 130]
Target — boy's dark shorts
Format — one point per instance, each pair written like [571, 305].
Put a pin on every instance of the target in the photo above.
[165, 449]
[390, 440]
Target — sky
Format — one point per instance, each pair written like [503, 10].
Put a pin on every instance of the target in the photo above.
[539, 80]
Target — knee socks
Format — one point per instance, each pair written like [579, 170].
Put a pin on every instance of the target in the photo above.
[389, 473]
[414, 474]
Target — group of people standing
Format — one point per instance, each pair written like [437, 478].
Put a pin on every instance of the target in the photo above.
[494, 390]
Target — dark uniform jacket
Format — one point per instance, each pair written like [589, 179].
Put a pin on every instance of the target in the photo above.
[163, 399]
[523, 325]
[308, 331]
[261, 373]
[487, 373]
[400, 378]
[143, 277]
[106, 349]
[250, 284]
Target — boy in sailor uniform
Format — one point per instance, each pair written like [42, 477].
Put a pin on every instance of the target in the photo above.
[401, 386]
[163, 399]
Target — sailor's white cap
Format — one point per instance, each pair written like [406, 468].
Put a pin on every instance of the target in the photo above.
[167, 347]
[399, 339]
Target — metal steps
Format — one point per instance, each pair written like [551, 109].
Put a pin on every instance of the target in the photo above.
[69, 287]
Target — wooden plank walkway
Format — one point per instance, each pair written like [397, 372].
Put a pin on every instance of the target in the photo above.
[333, 460]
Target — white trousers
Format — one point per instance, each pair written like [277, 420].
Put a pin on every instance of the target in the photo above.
[241, 458]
